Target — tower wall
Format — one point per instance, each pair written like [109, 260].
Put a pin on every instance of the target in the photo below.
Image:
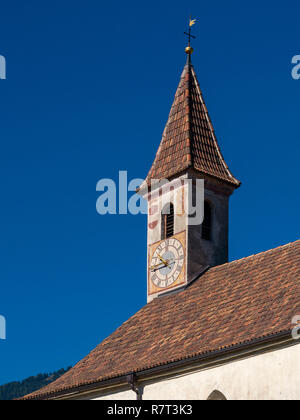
[202, 252]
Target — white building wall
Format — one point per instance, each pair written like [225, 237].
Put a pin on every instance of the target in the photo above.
[119, 396]
[269, 376]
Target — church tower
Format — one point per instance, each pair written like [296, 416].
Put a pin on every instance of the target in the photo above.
[195, 175]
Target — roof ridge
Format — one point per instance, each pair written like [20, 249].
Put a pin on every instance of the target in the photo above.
[269, 251]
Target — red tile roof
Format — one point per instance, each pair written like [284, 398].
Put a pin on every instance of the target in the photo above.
[230, 304]
[189, 140]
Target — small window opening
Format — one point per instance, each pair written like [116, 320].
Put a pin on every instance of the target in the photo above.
[168, 221]
[207, 222]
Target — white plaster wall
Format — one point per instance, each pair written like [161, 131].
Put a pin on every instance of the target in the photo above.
[269, 376]
[120, 396]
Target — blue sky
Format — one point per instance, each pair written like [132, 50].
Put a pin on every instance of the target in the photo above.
[88, 91]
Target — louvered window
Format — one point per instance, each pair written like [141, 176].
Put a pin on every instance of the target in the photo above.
[168, 221]
[207, 222]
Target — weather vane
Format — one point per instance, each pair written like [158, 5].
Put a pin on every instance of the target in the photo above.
[189, 50]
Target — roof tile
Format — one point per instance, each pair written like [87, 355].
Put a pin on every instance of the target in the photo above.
[230, 304]
[190, 130]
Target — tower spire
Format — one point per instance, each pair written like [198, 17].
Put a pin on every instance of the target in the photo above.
[189, 140]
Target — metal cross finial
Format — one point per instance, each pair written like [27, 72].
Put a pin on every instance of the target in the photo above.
[189, 35]
[189, 50]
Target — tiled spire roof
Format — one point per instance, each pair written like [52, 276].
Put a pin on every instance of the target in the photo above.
[188, 140]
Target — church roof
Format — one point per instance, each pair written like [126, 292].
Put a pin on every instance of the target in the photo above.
[235, 303]
[189, 140]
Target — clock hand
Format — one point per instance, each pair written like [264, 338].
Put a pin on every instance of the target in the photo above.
[172, 261]
[155, 266]
[161, 259]
[156, 269]
[164, 262]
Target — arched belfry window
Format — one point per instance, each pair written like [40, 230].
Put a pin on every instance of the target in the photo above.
[167, 221]
[207, 222]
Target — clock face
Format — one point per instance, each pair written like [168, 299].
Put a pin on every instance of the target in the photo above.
[167, 263]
